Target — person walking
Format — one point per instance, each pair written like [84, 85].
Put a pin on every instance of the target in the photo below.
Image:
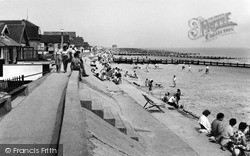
[65, 60]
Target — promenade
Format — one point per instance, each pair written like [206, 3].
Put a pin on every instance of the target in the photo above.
[36, 119]
[39, 119]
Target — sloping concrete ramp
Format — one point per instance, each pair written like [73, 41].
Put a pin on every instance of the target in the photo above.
[37, 119]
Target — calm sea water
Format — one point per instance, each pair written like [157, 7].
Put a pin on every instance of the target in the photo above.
[242, 53]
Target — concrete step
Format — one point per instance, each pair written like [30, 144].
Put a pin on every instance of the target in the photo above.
[119, 123]
[97, 107]
[108, 116]
[85, 98]
[130, 131]
[89, 100]
[17, 101]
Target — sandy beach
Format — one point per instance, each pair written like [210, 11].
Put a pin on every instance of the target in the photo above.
[224, 89]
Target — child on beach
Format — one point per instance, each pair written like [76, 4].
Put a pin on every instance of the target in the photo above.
[207, 69]
[174, 81]
[165, 98]
[183, 67]
[150, 85]
[146, 83]
[134, 75]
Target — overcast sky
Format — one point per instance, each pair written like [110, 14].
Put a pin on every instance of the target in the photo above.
[132, 23]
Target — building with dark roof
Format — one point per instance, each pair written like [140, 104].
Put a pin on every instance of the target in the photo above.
[18, 33]
[8, 47]
[32, 31]
[77, 42]
[71, 34]
[53, 41]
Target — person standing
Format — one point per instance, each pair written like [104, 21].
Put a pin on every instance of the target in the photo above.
[178, 96]
[150, 85]
[65, 60]
[174, 81]
[207, 69]
[146, 82]
[189, 68]
[58, 61]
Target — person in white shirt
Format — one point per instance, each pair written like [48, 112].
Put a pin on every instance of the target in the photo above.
[172, 101]
[207, 69]
[204, 122]
[228, 133]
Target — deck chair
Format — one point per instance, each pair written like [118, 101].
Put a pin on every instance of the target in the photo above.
[152, 103]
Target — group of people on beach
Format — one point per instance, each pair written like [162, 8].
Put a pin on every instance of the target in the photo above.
[235, 141]
[107, 73]
[173, 100]
[200, 70]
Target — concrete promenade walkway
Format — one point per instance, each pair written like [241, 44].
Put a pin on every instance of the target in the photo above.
[37, 119]
[176, 123]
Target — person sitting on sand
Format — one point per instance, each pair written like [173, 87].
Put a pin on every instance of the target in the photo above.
[227, 133]
[165, 98]
[172, 101]
[93, 64]
[183, 67]
[217, 128]
[126, 74]
[156, 66]
[204, 122]
[134, 75]
[135, 66]
[239, 144]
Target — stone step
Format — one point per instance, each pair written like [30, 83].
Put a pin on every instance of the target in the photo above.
[84, 96]
[89, 100]
[17, 101]
[130, 131]
[108, 116]
[119, 124]
[96, 106]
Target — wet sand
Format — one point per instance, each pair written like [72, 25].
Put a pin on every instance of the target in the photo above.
[224, 89]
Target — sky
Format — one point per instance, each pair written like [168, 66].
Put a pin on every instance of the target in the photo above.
[133, 23]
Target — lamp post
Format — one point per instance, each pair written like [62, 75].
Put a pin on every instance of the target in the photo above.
[62, 39]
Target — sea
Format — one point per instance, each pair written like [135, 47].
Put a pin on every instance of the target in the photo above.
[242, 55]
